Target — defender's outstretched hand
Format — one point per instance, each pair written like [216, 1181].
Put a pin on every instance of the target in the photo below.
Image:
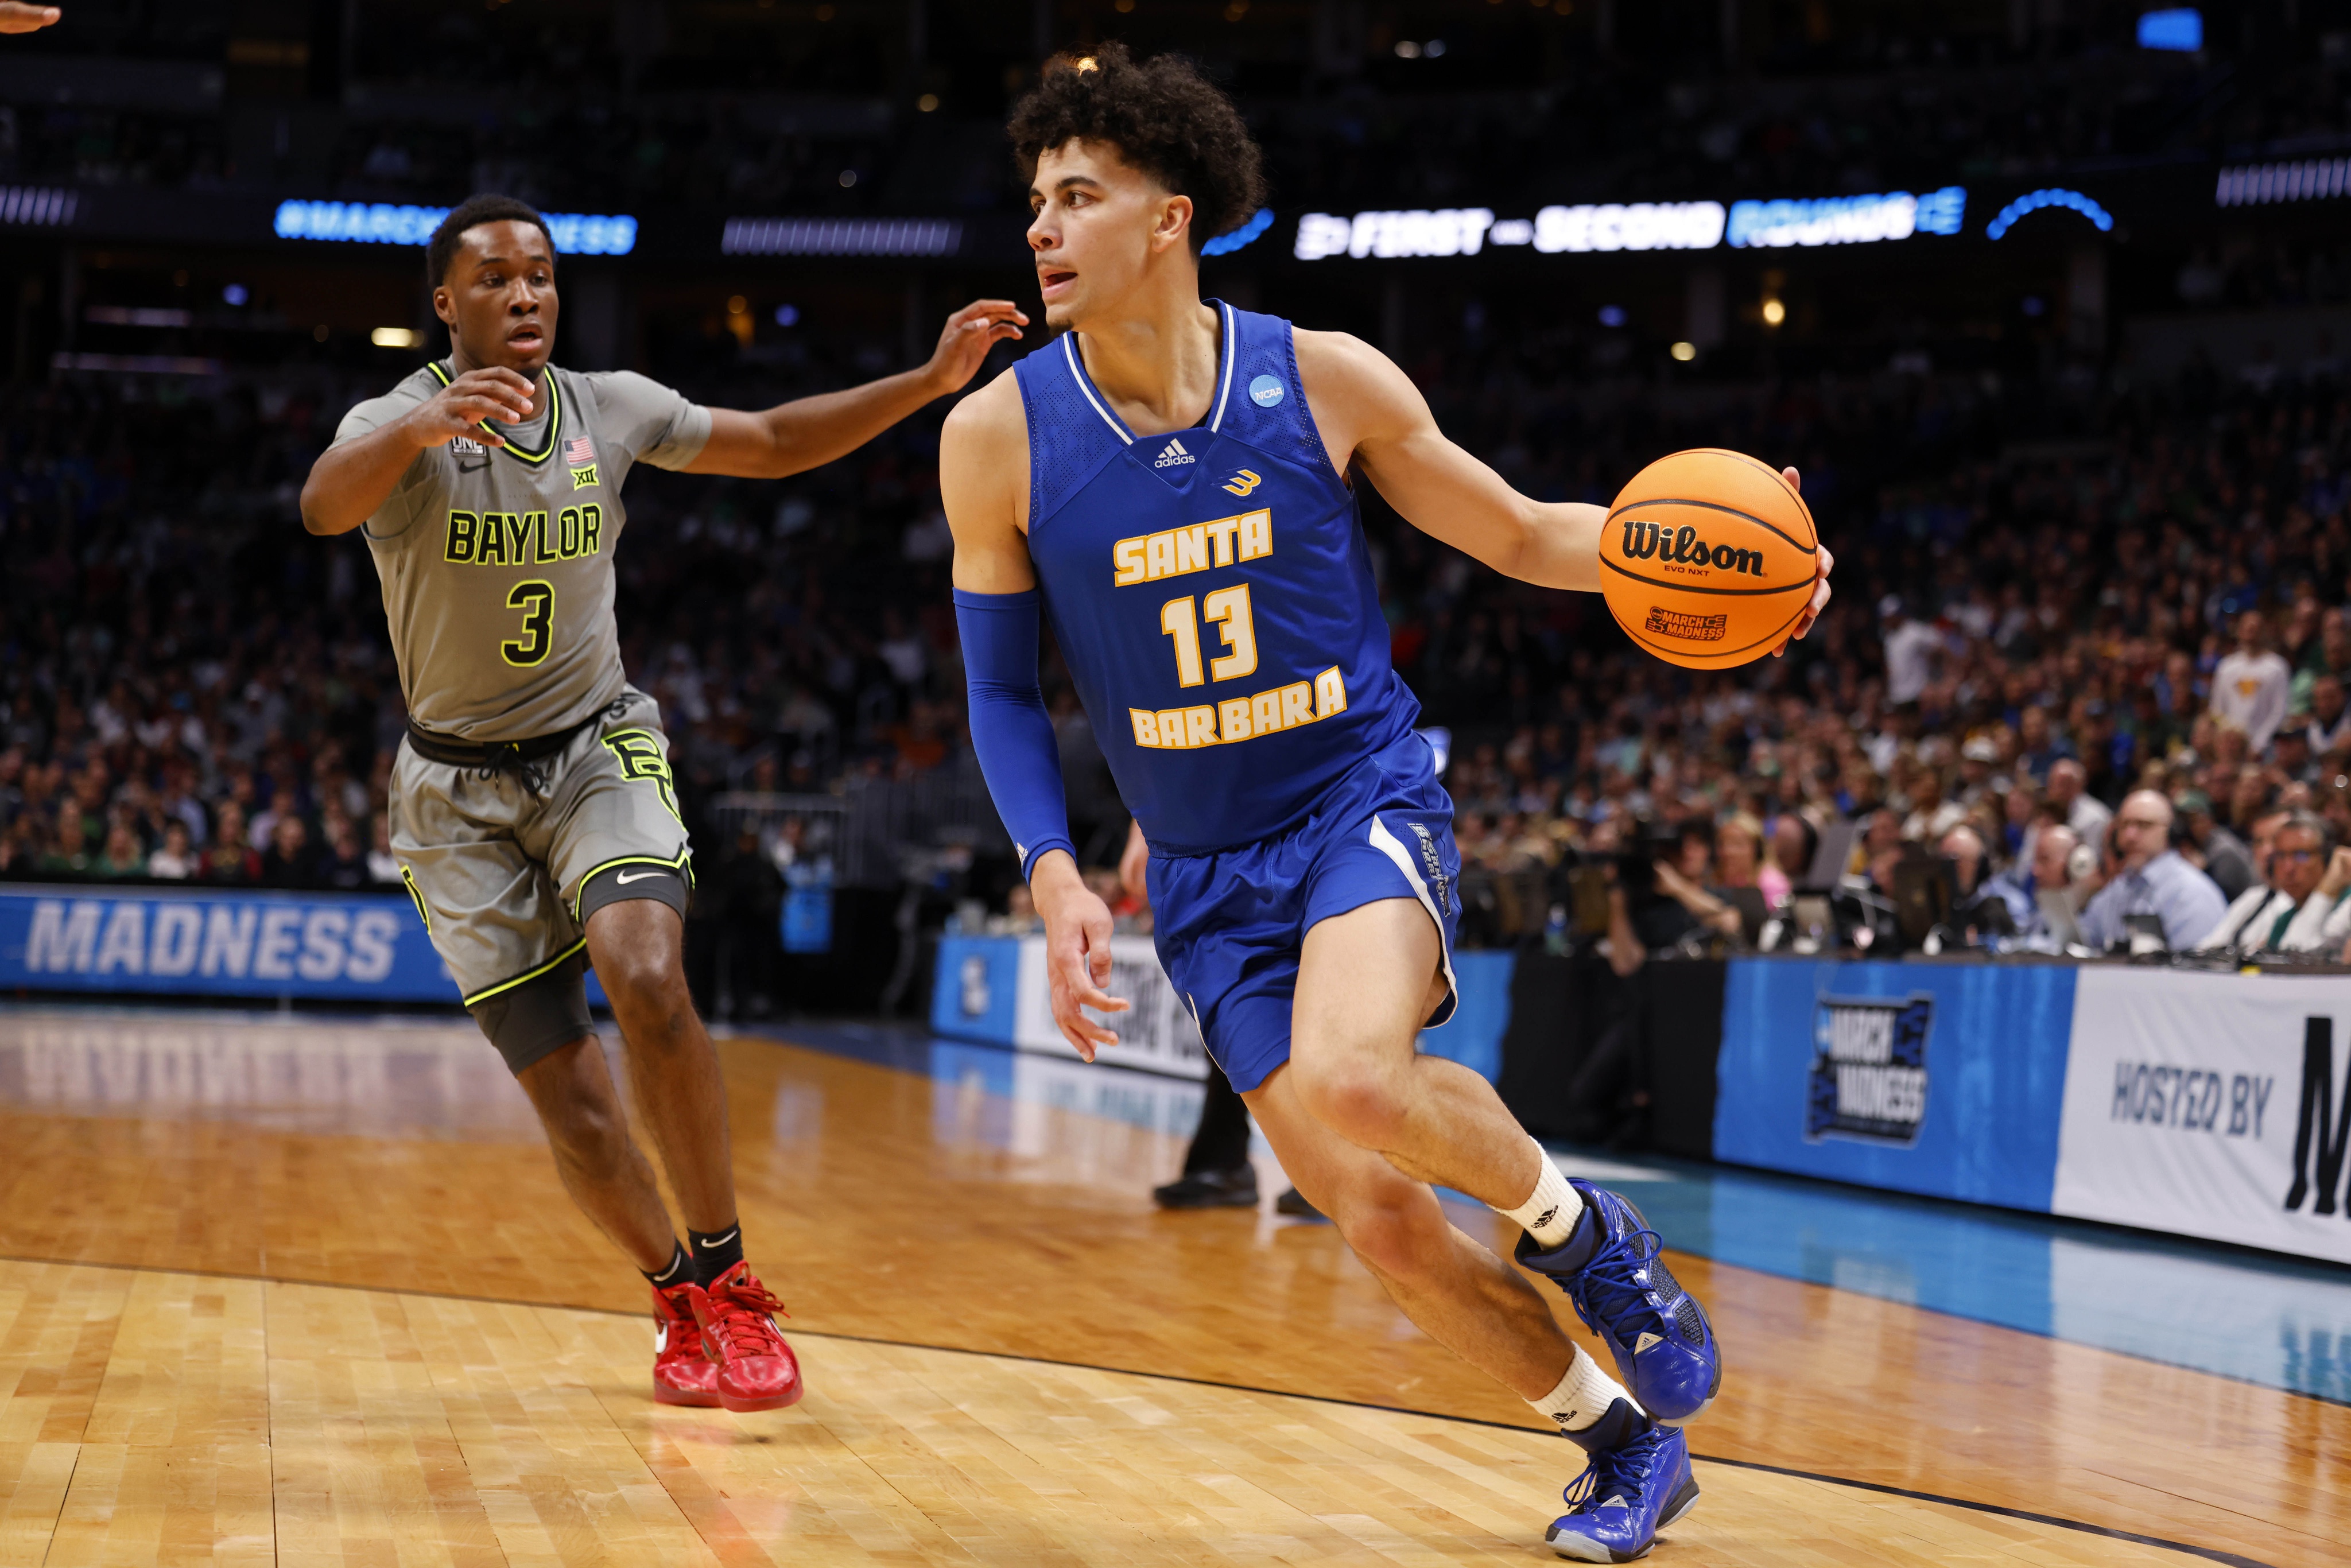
[970, 333]
[1077, 951]
[1824, 564]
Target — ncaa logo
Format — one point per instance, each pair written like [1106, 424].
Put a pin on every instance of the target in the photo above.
[1266, 390]
[976, 996]
[1868, 1074]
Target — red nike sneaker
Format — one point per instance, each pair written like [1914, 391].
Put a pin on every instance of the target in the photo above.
[755, 1369]
[682, 1374]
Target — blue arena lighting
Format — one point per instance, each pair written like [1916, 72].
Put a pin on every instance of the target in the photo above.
[390, 223]
[2033, 201]
[2181, 29]
[1225, 244]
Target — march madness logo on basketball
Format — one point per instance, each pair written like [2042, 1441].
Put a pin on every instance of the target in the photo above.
[1688, 628]
[1868, 1076]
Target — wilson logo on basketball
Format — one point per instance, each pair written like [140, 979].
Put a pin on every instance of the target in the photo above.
[1688, 628]
[1681, 546]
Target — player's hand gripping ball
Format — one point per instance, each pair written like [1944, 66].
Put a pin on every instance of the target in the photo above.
[1708, 558]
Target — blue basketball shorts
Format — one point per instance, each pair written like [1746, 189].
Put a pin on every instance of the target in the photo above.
[1230, 924]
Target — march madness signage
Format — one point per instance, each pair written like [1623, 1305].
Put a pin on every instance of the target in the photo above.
[1869, 1077]
[2210, 1105]
[218, 942]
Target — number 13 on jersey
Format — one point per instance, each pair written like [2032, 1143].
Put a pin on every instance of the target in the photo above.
[1268, 711]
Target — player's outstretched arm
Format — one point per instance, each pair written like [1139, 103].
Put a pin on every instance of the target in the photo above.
[1370, 410]
[351, 478]
[796, 437]
[983, 483]
[17, 17]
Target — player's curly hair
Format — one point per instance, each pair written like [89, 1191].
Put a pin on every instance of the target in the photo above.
[442, 248]
[1164, 117]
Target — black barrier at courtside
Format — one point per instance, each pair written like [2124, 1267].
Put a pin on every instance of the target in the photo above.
[1592, 1058]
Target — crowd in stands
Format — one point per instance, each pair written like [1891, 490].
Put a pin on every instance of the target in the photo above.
[2038, 647]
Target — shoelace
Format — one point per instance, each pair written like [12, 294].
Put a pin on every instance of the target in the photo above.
[1610, 1278]
[745, 1320]
[1614, 1473]
[678, 1318]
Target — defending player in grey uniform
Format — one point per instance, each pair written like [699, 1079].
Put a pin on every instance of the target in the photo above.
[532, 808]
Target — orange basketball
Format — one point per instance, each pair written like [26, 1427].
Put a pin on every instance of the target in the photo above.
[1707, 559]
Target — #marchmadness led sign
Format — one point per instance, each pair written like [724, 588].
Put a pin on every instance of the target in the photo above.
[390, 223]
[1635, 225]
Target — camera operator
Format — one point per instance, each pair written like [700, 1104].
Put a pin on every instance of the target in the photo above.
[1660, 896]
[1655, 904]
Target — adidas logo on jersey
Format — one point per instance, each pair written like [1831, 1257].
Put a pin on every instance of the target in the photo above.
[1173, 455]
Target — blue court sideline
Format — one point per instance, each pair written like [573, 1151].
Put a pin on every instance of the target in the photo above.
[2279, 1322]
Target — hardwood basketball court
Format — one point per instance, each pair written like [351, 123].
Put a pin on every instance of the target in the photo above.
[305, 1288]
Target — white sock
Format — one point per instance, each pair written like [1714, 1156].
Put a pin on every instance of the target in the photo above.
[1583, 1396]
[1550, 1212]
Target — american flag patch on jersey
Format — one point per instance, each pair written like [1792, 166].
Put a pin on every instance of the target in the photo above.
[579, 452]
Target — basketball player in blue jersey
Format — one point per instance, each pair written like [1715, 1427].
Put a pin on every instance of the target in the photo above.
[1168, 481]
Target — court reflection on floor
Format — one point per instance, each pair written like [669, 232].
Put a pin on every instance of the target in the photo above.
[972, 1201]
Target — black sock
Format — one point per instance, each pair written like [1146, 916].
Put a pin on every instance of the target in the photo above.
[677, 1271]
[716, 1251]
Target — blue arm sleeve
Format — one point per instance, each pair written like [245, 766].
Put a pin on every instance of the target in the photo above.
[1009, 728]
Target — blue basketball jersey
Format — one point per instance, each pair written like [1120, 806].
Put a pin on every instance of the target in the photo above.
[1211, 593]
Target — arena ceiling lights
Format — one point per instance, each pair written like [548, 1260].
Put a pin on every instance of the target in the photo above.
[388, 222]
[2033, 201]
[841, 237]
[38, 206]
[1635, 225]
[2258, 184]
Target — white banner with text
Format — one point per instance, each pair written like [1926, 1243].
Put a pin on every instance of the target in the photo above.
[2213, 1105]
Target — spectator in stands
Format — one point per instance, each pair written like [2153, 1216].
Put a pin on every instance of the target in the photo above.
[174, 861]
[2050, 870]
[2078, 809]
[343, 867]
[2150, 877]
[1794, 843]
[121, 856]
[291, 862]
[70, 849]
[2260, 903]
[229, 858]
[2290, 755]
[1978, 910]
[2250, 687]
[1910, 650]
[2040, 747]
[2302, 869]
[2211, 848]
[383, 870]
[1740, 861]
[2328, 721]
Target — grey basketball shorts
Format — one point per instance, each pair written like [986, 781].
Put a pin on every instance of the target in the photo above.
[508, 864]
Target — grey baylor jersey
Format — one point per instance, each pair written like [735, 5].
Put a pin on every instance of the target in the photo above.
[497, 561]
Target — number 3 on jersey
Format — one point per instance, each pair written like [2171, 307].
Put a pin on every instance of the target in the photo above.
[1230, 606]
[536, 599]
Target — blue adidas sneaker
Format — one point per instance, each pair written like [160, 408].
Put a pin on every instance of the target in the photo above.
[1624, 1496]
[1611, 1268]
